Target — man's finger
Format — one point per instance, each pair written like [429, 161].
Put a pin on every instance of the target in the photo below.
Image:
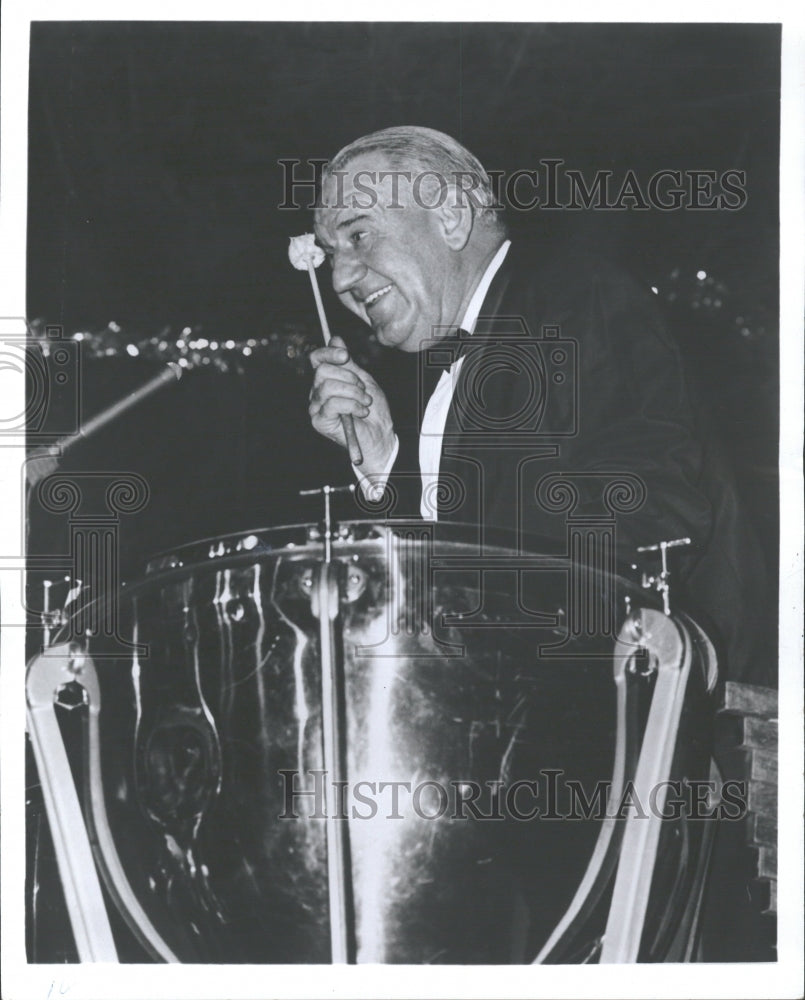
[332, 387]
[336, 373]
[329, 355]
[337, 405]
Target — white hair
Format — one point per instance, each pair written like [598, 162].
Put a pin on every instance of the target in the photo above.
[435, 152]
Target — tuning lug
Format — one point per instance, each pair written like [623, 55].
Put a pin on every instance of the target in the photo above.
[661, 581]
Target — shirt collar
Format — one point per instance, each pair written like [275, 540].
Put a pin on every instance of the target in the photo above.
[477, 300]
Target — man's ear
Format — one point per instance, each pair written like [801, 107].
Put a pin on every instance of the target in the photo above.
[456, 217]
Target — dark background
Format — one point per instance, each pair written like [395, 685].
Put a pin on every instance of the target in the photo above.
[154, 188]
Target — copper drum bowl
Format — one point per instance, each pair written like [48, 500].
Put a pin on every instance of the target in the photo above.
[367, 751]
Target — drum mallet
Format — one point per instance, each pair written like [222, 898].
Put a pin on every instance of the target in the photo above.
[306, 256]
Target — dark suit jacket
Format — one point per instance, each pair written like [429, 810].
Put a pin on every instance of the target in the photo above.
[571, 404]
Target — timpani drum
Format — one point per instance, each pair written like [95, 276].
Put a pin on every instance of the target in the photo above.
[392, 746]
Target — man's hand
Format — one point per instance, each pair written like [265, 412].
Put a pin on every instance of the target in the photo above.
[340, 386]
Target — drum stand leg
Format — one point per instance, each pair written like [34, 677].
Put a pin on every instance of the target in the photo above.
[47, 674]
[339, 881]
[670, 643]
[74, 844]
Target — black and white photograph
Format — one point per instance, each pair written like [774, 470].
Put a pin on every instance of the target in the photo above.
[402, 560]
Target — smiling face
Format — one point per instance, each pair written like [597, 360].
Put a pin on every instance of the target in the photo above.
[395, 263]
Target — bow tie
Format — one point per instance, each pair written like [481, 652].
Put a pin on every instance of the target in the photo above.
[441, 354]
[436, 359]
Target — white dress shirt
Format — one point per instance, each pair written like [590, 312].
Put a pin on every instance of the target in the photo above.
[433, 422]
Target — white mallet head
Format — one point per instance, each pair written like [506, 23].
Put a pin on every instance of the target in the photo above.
[303, 251]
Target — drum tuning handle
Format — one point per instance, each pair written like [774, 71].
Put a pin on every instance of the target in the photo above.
[325, 491]
[54, 618]
[660, 582]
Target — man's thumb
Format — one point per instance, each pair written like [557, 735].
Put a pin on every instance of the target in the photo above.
[339, 345]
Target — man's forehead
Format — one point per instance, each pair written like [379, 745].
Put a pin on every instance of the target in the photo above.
[368, 182]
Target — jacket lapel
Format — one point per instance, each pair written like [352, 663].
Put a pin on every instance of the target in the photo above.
[453, 465]
[490, 308]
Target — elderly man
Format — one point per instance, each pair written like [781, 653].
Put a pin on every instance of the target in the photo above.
[547, 362]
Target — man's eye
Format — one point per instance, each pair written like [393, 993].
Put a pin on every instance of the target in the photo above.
[356, 237]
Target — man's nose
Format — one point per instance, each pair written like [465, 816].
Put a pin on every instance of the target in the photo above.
[348, 270]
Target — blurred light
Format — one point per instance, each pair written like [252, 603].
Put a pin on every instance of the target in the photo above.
[247, 351]
[186, 331]
[113, 326]
[229, 344]
[183, 362]
[132, 349]
[213, 345]
[202, 342]
[701, 275]
[654, 289]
